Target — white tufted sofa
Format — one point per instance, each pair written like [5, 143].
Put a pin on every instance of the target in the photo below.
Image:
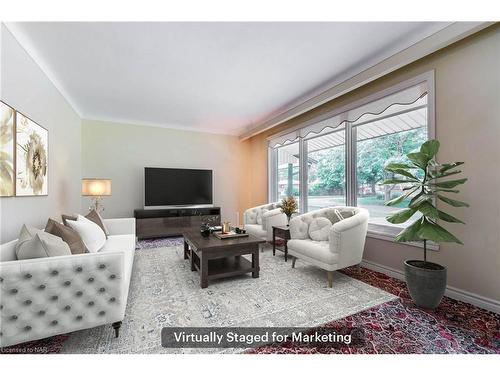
[259, 221]
[49, 296]
[332, 247]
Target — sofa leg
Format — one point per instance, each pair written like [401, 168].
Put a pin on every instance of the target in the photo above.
[116, 327]
[293, 262]
[358, 268]
[330, 278]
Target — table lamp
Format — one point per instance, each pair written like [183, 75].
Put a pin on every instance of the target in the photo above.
[96, 188]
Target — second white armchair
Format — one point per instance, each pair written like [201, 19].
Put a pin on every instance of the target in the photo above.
[259, 221]
[331, 238]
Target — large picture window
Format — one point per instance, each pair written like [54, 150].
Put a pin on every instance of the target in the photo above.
[339, 159]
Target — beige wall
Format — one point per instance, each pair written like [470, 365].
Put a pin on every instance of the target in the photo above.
[121, 151]
[467, 78]
[26, 88]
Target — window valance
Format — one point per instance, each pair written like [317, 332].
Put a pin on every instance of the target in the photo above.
[371, 106]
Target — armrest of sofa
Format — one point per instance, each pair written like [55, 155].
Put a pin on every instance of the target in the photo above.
[273, 218]
[298, 228]
[47, 296]
[120, 226]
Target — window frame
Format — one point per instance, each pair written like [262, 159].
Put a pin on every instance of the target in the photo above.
[385, 232]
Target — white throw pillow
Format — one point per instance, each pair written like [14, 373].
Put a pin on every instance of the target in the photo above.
[40, 245]
[319, 229]
[92, 235]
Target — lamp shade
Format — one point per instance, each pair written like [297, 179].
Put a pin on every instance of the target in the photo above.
[96, 187]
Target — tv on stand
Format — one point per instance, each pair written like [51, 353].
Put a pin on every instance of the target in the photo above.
[176, 187]
[175, 200]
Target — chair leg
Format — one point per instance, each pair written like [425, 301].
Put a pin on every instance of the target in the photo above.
[116, 326]
[330, 278]
[293, 262]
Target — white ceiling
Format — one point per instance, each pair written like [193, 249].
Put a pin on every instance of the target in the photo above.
[214, 77]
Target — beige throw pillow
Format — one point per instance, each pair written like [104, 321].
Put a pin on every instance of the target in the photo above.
[68, 235]
[40, 245]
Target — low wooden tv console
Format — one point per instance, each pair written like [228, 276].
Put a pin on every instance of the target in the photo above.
[172, 221]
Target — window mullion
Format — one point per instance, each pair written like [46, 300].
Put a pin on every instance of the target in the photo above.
[303, 188]
[349, 155]
[354, 166]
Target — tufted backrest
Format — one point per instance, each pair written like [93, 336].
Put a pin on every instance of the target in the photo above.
[299, 225]
[47, 296]
[252, 215]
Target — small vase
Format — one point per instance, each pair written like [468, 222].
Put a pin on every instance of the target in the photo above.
[288, 217]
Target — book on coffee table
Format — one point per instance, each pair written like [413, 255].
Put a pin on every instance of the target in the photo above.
[231, 234]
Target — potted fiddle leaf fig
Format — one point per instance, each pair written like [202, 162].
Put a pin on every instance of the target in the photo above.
[423, 185]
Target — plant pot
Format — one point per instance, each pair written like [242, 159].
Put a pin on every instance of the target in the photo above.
[426, 285]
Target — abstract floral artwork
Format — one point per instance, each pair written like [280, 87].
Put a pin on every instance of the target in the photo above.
[31, 157]
[7, 124]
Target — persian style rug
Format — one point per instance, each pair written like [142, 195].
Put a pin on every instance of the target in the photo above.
[400, 327]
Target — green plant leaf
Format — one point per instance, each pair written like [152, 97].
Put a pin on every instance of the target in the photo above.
[430, 148]
[405, 173]
[427, 209]
[418, 200]
[441, 175]
[392, 166]
[446, 190]
[434, 232]
[445, 167]
[400, 216]
[450, 219]
[419, 159]
[399, 199]
[452, 202]
[409, 233]
[396, 181]
[449, 184]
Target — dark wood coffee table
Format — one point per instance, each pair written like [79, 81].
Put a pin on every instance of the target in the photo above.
[215, 259]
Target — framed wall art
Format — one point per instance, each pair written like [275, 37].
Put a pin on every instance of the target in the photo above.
[7, 150]
[32, 145]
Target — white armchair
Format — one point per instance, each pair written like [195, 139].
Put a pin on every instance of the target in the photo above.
[320, 238]
[259, 221]
[44, 297]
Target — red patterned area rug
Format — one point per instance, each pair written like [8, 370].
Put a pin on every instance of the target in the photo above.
[400, 327]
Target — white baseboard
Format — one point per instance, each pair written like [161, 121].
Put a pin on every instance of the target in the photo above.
[452, 292]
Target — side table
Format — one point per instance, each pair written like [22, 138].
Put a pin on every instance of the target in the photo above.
[281, 231]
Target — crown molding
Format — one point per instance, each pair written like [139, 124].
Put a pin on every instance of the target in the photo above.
[439, 40]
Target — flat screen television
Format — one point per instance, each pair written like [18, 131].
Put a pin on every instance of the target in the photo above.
[174, 187]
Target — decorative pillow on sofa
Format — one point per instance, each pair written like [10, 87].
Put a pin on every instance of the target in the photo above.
[92, 235]
[92, 216]
[319, 229]
[68, 235]
[39, 244]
